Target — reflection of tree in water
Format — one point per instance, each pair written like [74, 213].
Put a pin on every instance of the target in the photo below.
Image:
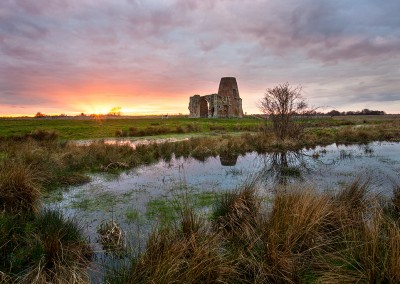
[285, 166]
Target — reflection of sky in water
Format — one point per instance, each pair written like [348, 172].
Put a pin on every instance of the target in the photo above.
[335, 165]
[113, 197]
[380, 162]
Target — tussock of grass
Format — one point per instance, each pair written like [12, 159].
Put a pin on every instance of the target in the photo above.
[19, 188]
[353, 200]
[369, 253]
[187, 253]
[296, 231]
[45, 248]
[236, 213]
[62, 254]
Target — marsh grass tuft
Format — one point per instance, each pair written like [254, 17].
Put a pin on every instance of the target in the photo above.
[44, 248]
[19, 188]
[294, 234]
[185, 253]
[236, 213]
[353, 200]
[61, 255]
[369, 253]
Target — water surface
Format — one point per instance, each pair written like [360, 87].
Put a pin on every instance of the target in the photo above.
[139, 198]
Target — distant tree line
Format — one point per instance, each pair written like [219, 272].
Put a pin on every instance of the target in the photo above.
[362, 112]
[299, 109]
[82, 114]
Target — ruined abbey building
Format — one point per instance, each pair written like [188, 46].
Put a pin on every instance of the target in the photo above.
[227, 103]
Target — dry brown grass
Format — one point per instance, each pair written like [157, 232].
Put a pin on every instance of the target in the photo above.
[60, 274]
[368, 253]
[304, 236]
[19, 188]
[352, 202]
[294, 234]
[396, 199]
[42, 248]
[190, 253]
[236, 214]
[62, 255]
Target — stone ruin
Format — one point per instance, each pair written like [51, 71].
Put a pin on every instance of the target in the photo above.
[227, 103]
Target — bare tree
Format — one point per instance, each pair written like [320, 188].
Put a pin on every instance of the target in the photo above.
[284, 105]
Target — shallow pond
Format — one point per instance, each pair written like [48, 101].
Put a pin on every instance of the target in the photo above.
[138, 198]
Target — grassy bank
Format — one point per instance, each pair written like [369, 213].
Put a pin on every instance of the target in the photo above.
[301, 236]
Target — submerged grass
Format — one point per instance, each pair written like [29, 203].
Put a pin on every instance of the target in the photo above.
[167, 210]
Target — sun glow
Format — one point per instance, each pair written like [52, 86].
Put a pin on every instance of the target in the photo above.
[103, 105]
[97, 109]
[100, 109]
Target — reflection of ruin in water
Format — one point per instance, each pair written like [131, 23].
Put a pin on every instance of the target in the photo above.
[228, 159]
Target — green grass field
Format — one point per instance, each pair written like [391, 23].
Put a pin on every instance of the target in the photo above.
[91, 128]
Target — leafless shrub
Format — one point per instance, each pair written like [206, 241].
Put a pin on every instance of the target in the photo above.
[285, 106]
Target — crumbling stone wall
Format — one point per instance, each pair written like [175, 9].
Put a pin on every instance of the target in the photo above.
[227, 103]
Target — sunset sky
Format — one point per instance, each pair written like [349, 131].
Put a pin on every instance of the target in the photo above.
[149, 56]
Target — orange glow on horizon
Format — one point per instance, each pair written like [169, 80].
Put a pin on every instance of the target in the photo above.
[102, 99]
